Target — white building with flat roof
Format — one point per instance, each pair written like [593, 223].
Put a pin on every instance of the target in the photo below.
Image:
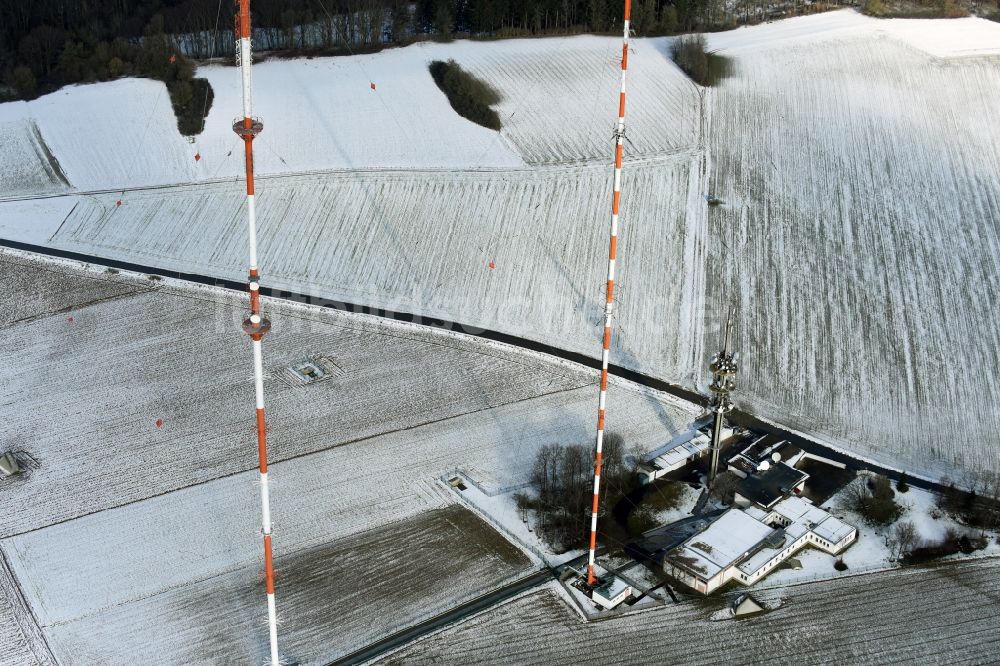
[673, 455]
[747, 544]
[611, 593]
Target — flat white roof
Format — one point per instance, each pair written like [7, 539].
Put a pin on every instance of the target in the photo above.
[681, 448]
[795, 530]
[722, 543]
[798, 510]
[762, 557]
[821, 523]
[612, 588]
[833, 530]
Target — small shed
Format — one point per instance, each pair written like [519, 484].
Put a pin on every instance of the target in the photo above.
[611, 592]
[745, 605]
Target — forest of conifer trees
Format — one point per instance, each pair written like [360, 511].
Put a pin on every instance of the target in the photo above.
[45, 44]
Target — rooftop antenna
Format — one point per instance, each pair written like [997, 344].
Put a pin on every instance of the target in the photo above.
[256, 325]
[609, 303]
[724, 368]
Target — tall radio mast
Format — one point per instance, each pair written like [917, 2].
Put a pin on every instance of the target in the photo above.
[609, 303]
[256, 325]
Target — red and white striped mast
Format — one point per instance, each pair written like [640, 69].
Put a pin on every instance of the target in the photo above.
[256, 325]
[609, 303]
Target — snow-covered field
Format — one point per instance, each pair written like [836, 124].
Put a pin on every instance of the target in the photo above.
[855, 159]
[21, 640]
[156, 457]
[558, 97]
[945, 614]
[859, 239]
[340, 237]
[858, 235]
[320, 114]
[27, 166]
[333, 599]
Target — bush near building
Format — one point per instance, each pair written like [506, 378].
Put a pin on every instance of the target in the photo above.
[873, 499]
[725, 487]
[663, 495]
[637, 507]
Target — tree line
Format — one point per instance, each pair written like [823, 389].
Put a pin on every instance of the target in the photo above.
[45, 44]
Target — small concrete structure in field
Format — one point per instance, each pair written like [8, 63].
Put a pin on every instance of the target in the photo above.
[745, 606]
[8, 465]
[744, 545]
[673, 455]
[611, 592]
[311, 370]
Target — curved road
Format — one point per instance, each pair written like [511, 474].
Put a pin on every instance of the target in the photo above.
[740, 417]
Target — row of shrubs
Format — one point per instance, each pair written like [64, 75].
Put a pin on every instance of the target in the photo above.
[909, 9]
[474, 99]
[952, 543]
[874, 499]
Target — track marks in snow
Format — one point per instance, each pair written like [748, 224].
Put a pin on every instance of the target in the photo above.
[332, 599]
[892, 616]
[422, 242]
[27, 165]
[859, 241]
[21, 641]
[560, 97]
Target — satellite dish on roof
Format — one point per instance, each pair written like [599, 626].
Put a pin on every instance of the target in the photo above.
[776, 457]
[763, 466]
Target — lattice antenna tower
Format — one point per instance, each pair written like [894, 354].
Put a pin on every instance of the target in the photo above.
[724, 368]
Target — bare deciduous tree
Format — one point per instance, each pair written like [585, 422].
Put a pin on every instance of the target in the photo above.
[901, 540]
[562, 477]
